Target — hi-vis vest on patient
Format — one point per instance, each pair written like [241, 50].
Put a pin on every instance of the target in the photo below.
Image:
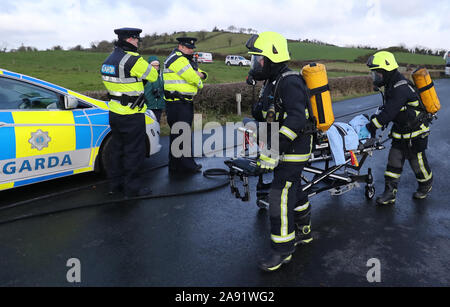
[427, 92]
[316, 79]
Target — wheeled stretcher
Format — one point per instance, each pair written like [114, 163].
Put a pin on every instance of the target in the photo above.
[319, 175]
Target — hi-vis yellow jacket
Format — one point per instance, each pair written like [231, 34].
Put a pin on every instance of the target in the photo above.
[122, 74]
[181, 81]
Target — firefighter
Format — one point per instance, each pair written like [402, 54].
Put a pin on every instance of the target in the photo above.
[290, 216]
[123, 73]
[409, 132]
[182, 80]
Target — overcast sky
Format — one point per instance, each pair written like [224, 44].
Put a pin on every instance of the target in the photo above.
[379, 23]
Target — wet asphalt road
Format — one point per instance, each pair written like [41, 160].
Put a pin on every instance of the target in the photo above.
[213, 239]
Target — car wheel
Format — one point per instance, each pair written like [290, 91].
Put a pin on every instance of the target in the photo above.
[240, 63]
[105, 155]
[228, 63]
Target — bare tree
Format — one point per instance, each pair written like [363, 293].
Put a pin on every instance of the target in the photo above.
[3, 46]
[202, 35]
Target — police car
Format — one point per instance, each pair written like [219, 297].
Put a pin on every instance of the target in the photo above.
[48, 132]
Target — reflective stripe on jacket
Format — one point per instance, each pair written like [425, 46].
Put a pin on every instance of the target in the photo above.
[402, 108]
[180, 78]
[122, 74]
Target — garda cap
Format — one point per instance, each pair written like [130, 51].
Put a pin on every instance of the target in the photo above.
[124, 33]
[187, 41]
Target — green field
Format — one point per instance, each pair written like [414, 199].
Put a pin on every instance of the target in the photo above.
[76, 70]
[80, 70]
[234, 43]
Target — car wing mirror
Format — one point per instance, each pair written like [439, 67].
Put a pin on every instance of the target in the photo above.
[70, 102]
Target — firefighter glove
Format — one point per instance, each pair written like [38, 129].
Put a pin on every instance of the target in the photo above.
[268, 161]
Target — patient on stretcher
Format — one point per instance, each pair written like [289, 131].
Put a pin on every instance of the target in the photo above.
[344, 137]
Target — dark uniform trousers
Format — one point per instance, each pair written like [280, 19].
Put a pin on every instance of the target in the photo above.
[180, 112]
[128, 149]
[415, 154]
[289, 206]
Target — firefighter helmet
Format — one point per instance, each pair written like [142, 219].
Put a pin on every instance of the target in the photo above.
[269, 44]
[382, 60]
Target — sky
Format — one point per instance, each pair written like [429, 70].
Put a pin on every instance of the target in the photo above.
[377, 23]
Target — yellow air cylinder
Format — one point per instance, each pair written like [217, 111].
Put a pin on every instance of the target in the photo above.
[316, 79]
[425, 85]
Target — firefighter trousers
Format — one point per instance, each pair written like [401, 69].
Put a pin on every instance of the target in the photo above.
[289, 207]
[418, 162]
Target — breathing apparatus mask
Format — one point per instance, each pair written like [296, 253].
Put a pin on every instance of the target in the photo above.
[378, 78]
[259, 67]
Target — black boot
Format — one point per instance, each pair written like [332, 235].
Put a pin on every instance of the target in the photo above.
[303, 224]
[274, 261]
[423, 190]
[303, 234]
[390, 192]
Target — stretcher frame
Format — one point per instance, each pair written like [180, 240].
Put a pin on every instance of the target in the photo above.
[324, 178]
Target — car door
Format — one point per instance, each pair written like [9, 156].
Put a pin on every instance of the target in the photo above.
[41, 136]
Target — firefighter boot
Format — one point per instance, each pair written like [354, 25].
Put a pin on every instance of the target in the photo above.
[274, 261]
[303, 234]
[388, 197]
[423, 190]
[303, 224]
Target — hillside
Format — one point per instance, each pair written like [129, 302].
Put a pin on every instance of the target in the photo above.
[223, 43]
[79, 70]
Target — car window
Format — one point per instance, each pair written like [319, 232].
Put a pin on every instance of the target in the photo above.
[15, 94]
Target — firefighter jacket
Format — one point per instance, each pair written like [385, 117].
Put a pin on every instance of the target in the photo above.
[123, 73]
[291, 112]
[402, 107]
[181, 81]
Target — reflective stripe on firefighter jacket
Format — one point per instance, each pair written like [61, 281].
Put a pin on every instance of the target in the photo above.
[291, 112]
[402, 108]
[181, 81]
[122, 74]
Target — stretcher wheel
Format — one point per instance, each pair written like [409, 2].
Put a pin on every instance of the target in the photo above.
[370, 192]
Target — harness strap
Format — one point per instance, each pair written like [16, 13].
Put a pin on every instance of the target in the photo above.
[319, 90]
[425, 88]
[311, 120]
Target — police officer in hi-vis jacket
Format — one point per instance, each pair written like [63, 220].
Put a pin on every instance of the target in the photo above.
[123, 73]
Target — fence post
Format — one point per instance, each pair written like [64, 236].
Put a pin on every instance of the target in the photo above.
[238, 101]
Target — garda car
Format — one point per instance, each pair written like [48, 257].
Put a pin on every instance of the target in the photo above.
[47, 131]
[236, 60]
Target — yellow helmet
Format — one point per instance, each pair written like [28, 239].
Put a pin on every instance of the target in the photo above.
[382, 60]
[269, 44]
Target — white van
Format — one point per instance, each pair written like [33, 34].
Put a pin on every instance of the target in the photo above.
[203, 57]
[236, 60]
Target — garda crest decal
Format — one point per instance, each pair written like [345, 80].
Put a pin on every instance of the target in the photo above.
[39, 139]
